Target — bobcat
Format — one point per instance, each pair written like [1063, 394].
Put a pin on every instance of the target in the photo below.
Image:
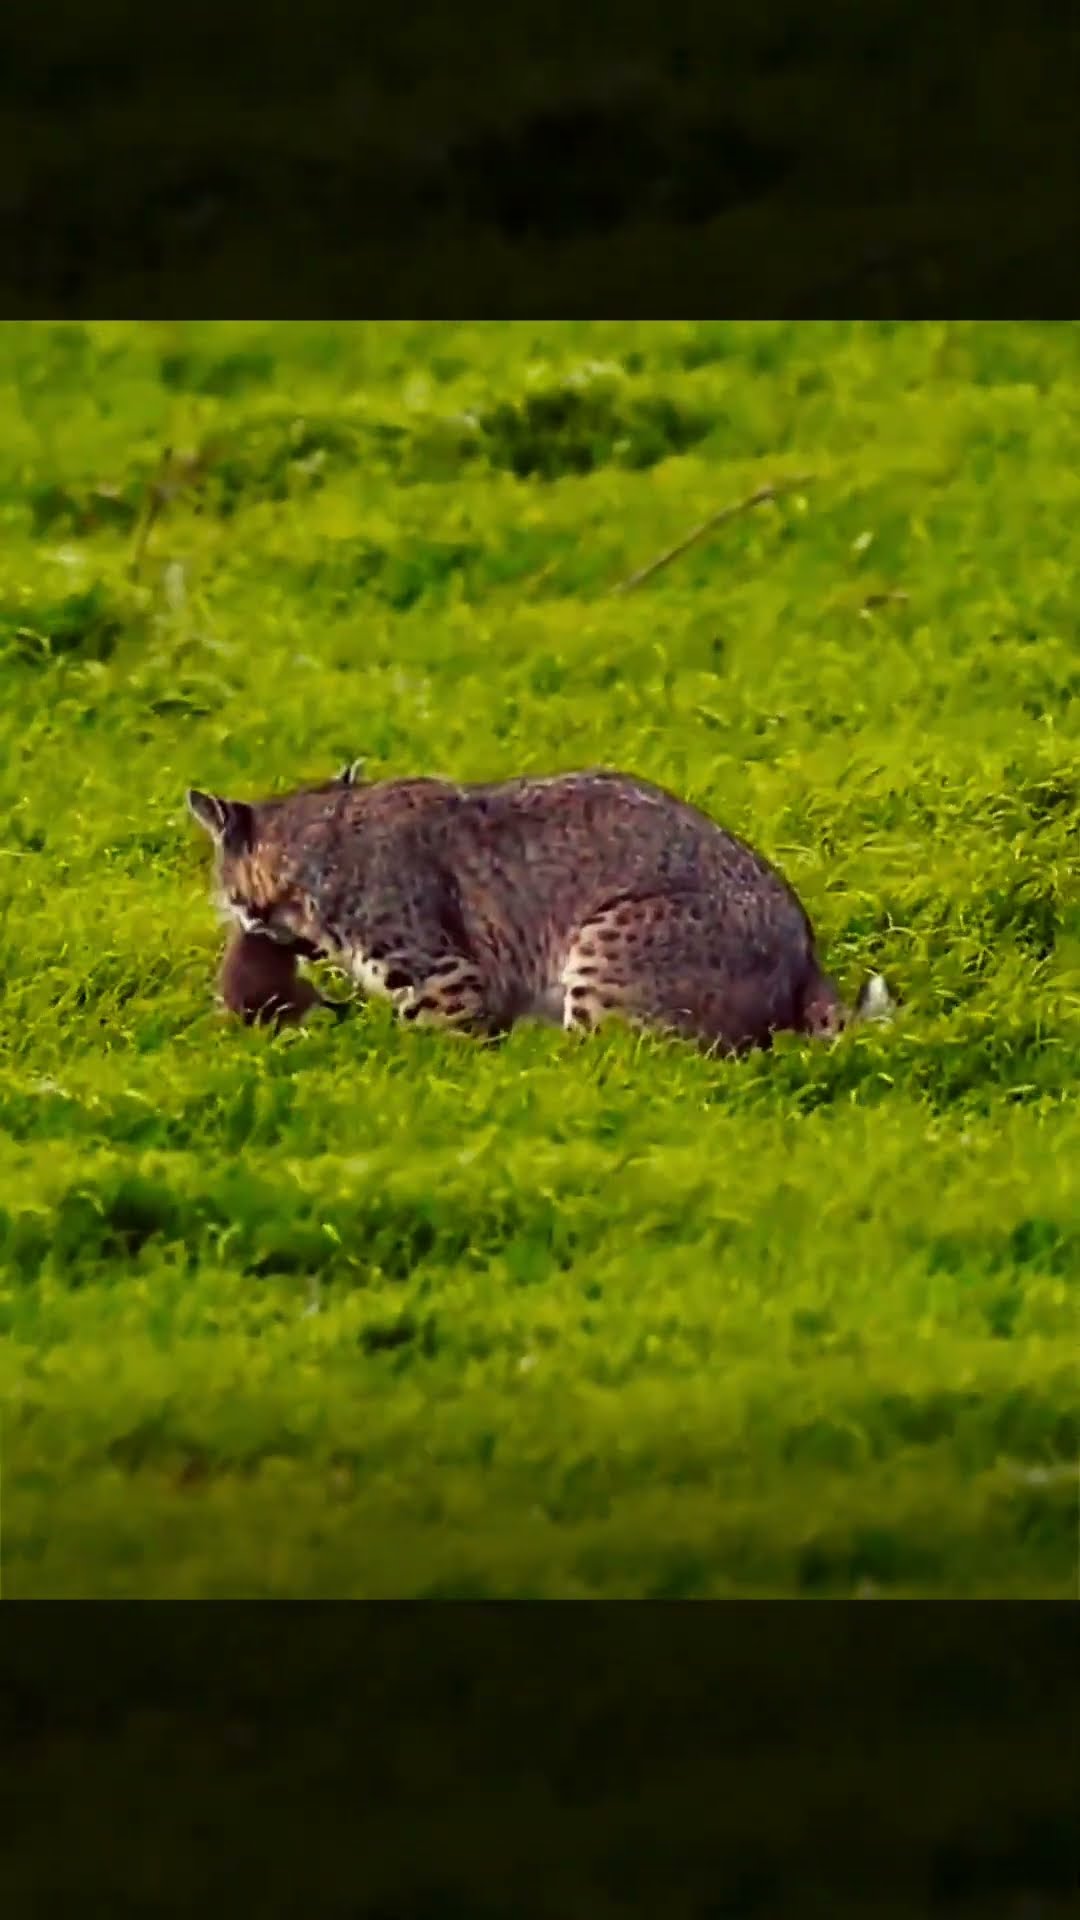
[566, 899]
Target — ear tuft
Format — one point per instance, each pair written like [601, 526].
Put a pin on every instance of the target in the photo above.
[875, 1002]
[230, 822]
[351, 775]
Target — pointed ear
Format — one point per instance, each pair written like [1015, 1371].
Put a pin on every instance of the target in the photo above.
[351, 775]
[230, 822]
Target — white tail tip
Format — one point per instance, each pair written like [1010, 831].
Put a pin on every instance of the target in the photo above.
[875, 1002]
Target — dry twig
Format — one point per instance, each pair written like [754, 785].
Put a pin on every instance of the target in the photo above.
[772, 492]
[176, 471]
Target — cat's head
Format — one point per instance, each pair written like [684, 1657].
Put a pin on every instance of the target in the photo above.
[261, 856]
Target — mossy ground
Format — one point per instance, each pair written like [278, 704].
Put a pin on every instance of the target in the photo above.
[594, 1318]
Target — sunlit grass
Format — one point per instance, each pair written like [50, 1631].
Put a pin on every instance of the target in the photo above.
[593, 1318]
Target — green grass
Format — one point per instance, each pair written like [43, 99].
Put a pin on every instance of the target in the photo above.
[596, 1317]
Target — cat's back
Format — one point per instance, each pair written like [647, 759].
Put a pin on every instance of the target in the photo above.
[587, 834]
[579, 840]
[602, 816]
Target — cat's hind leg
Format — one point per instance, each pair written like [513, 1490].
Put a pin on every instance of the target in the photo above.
[676, 963]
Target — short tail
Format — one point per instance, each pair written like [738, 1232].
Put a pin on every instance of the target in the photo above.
[875, 1002]
[823, 1012]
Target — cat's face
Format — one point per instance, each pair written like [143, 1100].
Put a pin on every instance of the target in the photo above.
[258, 852]
[251, 884]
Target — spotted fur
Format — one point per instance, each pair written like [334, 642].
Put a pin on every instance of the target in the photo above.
[566, 899]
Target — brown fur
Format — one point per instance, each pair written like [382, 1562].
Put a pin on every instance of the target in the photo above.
[260, 982]
[566, 898]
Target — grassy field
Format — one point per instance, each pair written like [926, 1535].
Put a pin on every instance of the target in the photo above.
[600, 1317]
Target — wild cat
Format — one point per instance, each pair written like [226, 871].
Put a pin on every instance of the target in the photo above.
[569, 899]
